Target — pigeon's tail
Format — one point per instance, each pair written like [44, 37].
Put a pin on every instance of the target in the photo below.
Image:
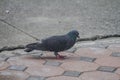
[30, 47]
[34, 46]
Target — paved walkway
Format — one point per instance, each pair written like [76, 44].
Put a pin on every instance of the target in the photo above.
[85, 62]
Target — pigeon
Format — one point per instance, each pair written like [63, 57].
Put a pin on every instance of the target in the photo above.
[55, 43]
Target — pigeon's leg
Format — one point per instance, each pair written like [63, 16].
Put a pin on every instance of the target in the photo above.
[59, 56]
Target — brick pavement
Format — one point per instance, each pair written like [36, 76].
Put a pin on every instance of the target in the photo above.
[87, 63]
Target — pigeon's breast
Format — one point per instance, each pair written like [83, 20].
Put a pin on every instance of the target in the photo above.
[70, 44]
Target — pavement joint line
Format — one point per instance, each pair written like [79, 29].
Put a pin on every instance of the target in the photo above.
[19, 29]
[7, 59]
[117, 74]
[96, 63]
[4, 59]
[98, 37]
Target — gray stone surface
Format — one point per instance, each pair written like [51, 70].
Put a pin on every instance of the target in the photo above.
[115, 54]
[35, 78]
[52, 63]
[72, 73]
[43, 18]
[106, 69]
[17, 67]
[87, 59]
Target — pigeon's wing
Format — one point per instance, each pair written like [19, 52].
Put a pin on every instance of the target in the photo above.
[55, 43]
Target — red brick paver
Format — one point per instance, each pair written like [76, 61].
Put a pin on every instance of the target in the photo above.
[97, 75]
[45, 71]
[25, 60]
[109, 61]
[93, 52]
[79, 66]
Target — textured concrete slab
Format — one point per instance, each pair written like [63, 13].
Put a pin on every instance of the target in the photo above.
[12, 37]
[43, 18]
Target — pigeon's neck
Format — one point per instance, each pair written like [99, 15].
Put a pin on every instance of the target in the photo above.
[72, 37]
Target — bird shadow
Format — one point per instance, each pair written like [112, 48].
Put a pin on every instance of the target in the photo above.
[74, 58]
[67, 58]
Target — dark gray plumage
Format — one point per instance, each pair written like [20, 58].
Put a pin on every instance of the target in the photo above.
[55, 43]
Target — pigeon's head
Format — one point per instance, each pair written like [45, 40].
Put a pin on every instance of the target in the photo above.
[74, 34]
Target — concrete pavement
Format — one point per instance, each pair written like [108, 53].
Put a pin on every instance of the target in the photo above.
[43, 18]
[9, 36]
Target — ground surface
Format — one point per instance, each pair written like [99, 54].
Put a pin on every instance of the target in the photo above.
[22, 21]
[93, 60]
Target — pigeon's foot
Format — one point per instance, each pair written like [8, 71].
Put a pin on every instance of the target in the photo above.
[60, 57]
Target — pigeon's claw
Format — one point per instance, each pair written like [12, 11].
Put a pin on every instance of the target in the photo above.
[60, 57]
